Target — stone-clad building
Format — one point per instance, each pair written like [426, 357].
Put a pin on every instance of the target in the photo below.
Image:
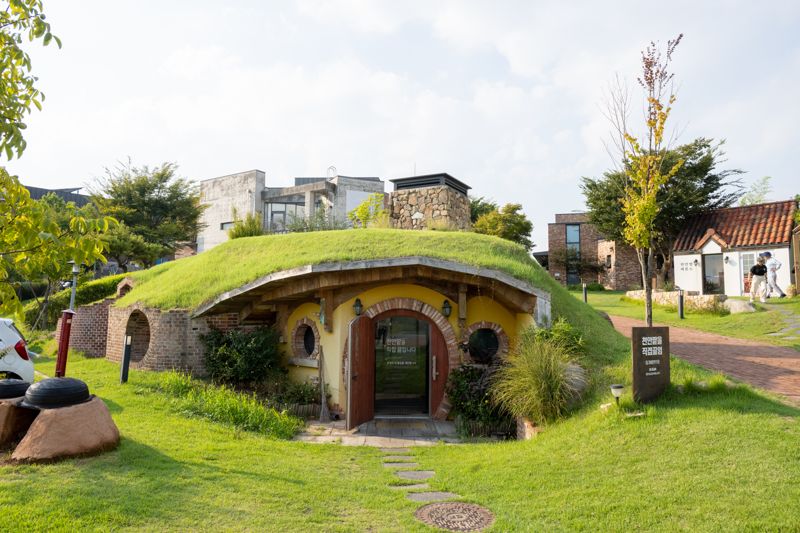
[424, 202]
[578, 253]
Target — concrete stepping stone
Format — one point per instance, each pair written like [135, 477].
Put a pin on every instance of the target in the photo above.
[399, 458]
[400, 465]
[416, 475]
[410, 486]
[434, 496]
[397, 451]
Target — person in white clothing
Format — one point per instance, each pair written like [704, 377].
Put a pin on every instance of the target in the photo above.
[773, 265]
[758, 281]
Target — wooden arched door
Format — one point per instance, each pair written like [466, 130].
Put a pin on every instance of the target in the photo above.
[398, 366]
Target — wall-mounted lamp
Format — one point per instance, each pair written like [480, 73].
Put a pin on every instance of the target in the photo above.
[322, 316]
[358, 307]
[727, 259]
[617, 390]
[696, 262]
[446, 309]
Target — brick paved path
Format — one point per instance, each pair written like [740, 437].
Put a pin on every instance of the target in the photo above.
[773, 368]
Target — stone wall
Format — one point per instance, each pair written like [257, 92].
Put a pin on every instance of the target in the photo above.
[691, 300]
[88, 330]
[429, 207]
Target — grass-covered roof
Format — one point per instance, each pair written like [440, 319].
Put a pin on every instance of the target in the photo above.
[190, 282]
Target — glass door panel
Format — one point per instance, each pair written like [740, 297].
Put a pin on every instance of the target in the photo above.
[401, 366]
[713, 276]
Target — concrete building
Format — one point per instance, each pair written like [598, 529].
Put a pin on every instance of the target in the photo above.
[238, 195]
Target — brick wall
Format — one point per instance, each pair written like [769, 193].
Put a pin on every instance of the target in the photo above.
[624, 273]
[163, 340]
[88, 330]
[557, 244]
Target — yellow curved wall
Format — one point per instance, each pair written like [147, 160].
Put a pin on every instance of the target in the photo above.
[480, 308]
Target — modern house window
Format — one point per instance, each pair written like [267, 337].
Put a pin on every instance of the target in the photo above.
[277, 216]
[573, 253]
[225, 226]
[608, 261]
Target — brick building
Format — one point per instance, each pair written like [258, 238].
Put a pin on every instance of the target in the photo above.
[578, 253]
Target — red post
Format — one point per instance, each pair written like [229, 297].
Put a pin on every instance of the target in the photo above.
[63, 342]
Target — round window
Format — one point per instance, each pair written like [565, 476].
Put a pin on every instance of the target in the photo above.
[309, 341]
[483, 345]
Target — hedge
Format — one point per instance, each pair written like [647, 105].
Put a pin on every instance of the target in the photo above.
[86, 293]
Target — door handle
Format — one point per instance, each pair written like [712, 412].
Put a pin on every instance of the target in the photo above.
[354, 377]
[434, 372]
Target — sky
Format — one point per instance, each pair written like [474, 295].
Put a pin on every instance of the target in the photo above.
[505, 96]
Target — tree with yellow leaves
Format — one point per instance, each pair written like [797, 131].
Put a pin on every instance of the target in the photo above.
[643, 161]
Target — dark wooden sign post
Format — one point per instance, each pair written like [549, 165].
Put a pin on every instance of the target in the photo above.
[650, 362]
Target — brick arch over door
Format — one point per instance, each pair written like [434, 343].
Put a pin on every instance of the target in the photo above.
[430, 312]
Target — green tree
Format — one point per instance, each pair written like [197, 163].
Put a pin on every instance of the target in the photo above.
[644, 160]
[368, 212]
[33, 243]
[698, 186]
[479, 206]
[125, 246]
[19, 20]
[249, 226]
[758, 192]
[508, 223]
[153, 203]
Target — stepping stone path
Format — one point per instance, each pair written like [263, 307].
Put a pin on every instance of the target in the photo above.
[447, 515]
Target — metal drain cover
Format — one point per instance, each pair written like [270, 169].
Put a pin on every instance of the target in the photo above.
[455, 516]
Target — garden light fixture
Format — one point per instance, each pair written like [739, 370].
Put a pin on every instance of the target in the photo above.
[617, 390]
[446, 309]
[358, 307]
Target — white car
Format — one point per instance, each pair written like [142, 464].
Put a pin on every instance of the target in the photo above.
[15, 359]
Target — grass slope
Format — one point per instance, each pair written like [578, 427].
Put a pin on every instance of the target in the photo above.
[709, 460]
[755, 326]
[190, 282]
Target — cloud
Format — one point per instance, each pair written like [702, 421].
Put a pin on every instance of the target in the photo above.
[505, 96]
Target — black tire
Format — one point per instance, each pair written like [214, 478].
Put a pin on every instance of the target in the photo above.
[57, 392]
[13, 388]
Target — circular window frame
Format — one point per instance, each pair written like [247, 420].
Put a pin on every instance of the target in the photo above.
[299, 331]
[502, 338]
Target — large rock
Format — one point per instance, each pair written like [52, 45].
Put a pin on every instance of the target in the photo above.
[81, 429]
[739, 306]
[14, 421]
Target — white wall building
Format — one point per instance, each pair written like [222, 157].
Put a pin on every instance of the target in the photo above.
[715, 251]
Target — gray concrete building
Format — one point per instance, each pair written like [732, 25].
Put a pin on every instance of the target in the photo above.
[237, 195]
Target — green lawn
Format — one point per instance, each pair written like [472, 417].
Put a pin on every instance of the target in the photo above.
[703, 460]
[743, 325]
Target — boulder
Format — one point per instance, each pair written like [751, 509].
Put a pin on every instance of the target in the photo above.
[14, 420]
[738, 306]
[82, 429]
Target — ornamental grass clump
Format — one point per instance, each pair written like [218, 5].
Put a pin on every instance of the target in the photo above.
[538, 381]
[224, 405]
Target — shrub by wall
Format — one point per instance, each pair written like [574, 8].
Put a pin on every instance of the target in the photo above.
[241, 357]
[86, 293]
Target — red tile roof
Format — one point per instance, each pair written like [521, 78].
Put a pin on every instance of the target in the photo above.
[739, 227]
